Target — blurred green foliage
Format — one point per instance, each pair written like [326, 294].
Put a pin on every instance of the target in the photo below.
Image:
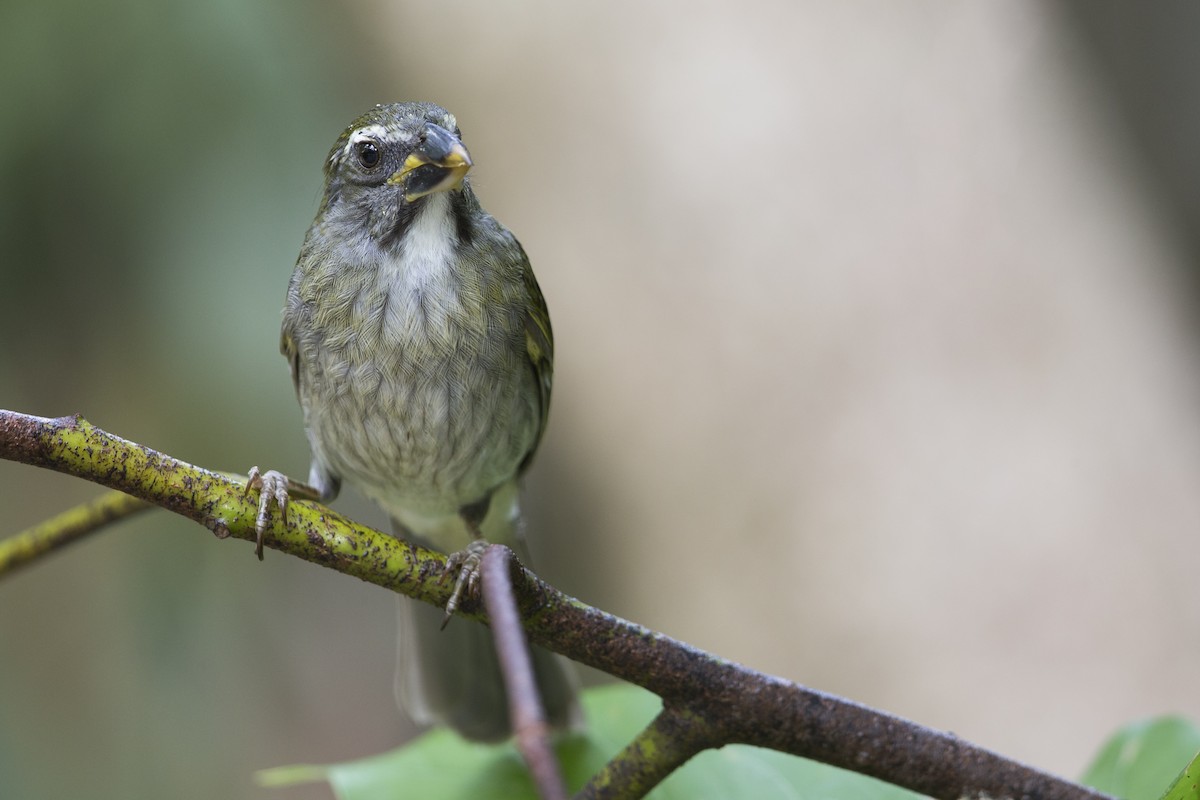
[441, 764]
[1138, 762]
[1146, 757]
[159, 164]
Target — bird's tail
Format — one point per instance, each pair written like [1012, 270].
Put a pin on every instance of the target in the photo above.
[452, 676]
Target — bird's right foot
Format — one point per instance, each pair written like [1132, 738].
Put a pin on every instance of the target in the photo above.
[272, 487]
[466, 563]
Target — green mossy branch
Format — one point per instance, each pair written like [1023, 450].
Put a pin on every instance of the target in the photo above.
[708, 701]
[220, 503]
[66, 528]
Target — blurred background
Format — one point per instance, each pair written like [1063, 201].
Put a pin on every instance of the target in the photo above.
[876, 331]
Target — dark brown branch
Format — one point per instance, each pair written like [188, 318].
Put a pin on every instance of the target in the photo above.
[524, 704]
[740, 705]
[736, 704]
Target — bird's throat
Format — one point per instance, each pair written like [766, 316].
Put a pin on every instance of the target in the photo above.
[418, 277]
[427, 246]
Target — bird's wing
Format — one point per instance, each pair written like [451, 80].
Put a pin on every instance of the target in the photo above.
[287, 346]
[539, 345]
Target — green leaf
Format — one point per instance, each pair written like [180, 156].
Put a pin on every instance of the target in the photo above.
[442, 765]
[1187, 785]
[1143, 758]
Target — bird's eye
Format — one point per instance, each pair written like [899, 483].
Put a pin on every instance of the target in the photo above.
[368, 154]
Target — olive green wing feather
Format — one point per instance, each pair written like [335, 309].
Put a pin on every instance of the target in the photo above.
[539, 346]
[287, 346]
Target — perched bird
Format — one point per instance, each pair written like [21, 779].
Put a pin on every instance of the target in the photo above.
[421, 351]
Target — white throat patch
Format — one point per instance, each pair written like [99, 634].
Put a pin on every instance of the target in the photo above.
[428, 245]
[420, 292]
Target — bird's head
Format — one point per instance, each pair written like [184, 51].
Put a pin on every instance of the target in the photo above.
[389, 160]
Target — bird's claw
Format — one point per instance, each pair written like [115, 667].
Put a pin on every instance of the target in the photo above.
[272, 487]
[466, 562]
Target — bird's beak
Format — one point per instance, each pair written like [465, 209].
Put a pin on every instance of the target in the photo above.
[438, 164]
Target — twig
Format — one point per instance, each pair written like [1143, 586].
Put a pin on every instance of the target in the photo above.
[524, 705]
[662, 747]
[738, 704]
[68, 527]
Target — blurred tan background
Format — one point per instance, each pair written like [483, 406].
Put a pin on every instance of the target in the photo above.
[876, 354]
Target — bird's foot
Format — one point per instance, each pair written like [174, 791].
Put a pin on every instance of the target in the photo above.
[272, 487]
[466, 563]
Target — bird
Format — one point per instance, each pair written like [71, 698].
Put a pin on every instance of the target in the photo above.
[421, 352]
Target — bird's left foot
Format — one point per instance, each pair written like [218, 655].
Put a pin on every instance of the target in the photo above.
[466, 562]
